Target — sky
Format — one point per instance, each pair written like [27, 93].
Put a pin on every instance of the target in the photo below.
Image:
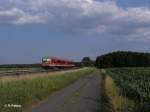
[71, 29]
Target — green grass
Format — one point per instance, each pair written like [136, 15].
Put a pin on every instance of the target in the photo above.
[30, 90]
[112, 100]
[134, 83]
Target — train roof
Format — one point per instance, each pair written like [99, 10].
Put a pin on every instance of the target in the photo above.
[56, 58]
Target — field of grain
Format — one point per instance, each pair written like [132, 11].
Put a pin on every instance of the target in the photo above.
[28, 90]
[134, 84]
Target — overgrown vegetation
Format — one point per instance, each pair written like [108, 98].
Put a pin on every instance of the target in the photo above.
[134, 83]
[106, 104]
[112, 98]
[29, 90]
[123, 59]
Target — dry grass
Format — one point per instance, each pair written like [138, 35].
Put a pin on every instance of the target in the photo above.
[34, 75]
[119, 102]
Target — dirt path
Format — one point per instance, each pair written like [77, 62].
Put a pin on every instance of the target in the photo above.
[82, 96]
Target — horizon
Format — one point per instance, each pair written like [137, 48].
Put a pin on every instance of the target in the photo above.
[93, 59]
[71, 29]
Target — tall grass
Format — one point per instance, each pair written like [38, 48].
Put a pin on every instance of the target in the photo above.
[119, 102]
[106, 105]
[114, 100]
[26, 91]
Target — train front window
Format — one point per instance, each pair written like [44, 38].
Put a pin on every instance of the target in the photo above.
[46, 60]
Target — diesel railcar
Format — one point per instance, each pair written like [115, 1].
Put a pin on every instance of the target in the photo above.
[53, 62]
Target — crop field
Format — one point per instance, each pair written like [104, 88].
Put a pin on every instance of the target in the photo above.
[134, 84]
[29, 90]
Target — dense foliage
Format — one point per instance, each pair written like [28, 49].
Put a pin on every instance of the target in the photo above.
[123, 59]
[135, 84]
[86, 62]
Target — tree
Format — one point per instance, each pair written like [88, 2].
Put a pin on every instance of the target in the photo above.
[86, 61]
[123, 59]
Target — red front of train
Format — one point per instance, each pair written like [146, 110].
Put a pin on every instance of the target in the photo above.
[52, 62]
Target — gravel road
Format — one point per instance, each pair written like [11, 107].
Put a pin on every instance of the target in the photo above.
[81, 96]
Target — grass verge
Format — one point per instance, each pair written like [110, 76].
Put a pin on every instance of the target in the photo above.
[27, 91]
[112, 98]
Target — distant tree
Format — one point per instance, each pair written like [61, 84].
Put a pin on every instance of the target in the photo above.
[86, 61]
[78, 64]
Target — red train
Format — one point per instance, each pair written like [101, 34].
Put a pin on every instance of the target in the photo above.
[52, 62]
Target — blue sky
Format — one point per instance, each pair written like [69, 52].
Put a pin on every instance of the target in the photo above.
[71, 29]
[133, 3]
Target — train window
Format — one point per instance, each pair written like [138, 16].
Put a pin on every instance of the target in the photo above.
[46, 60]
[49, 60]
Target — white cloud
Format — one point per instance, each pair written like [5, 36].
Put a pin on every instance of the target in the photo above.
[17, 16]
[101, 17]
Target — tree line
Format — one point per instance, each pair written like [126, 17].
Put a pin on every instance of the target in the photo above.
[114, 59]
[123, 59]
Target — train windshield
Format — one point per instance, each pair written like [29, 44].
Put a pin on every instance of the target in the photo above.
[46, 60]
